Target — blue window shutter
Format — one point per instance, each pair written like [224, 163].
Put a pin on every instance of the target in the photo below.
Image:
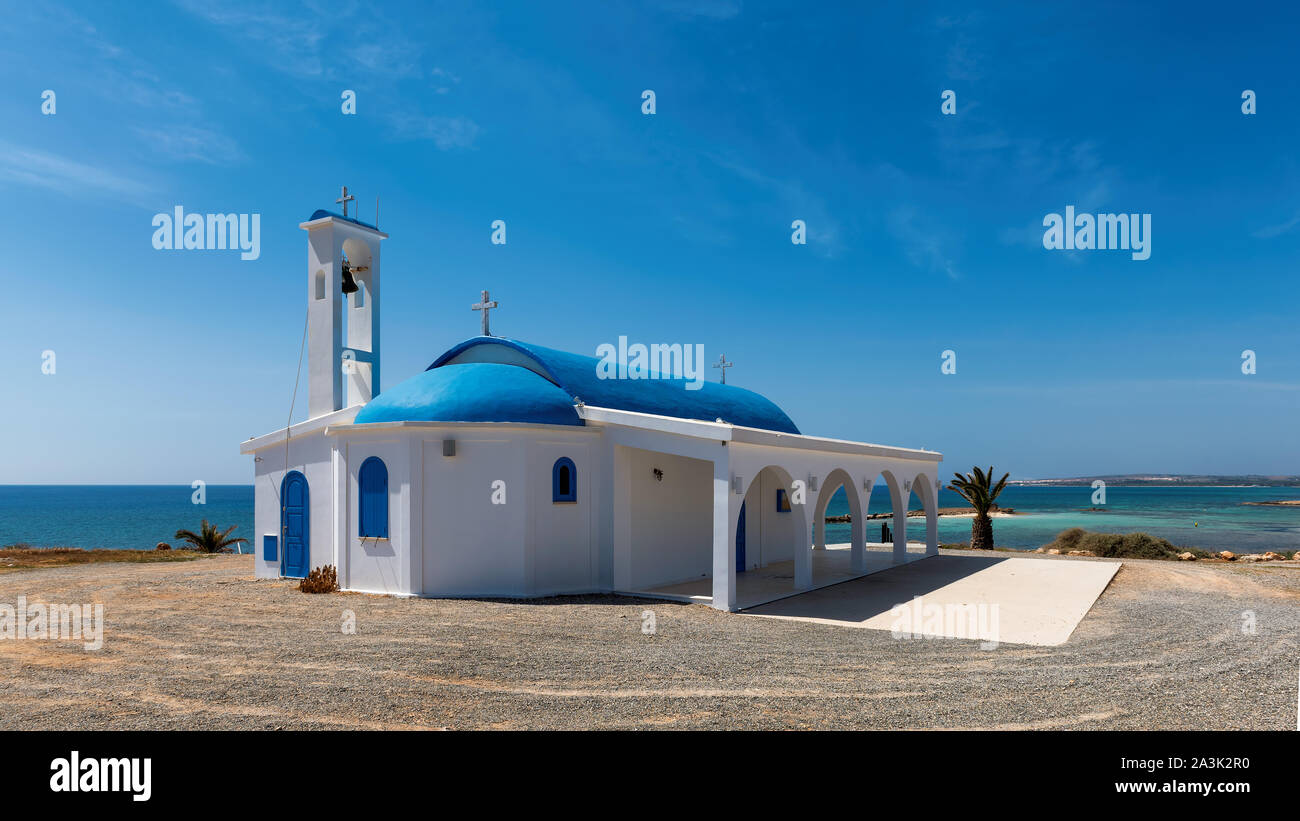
[564, 480]
[372, 507]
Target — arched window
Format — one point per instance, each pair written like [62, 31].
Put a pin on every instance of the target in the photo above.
[564, 481]
[373, 506]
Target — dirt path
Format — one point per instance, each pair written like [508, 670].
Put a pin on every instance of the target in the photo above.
[204, 645]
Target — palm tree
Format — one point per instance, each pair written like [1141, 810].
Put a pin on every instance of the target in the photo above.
[208, 540]
[978, 489]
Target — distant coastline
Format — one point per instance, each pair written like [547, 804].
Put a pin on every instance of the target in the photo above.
[1165, 480]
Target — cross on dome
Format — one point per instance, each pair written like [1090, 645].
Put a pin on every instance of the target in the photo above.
[722, 364]
[484, 305]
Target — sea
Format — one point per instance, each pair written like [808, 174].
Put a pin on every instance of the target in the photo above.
[1214, 518]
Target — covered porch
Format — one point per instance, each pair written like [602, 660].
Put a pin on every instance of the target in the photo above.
[734, 516]
[831, 565]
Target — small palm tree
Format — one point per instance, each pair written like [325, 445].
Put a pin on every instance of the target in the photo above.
[208, 540]
[978, 489]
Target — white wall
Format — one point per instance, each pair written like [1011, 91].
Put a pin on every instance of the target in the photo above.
[563, 556]
[471, 546]
[671, 521]
[376, 565]
[311, 456]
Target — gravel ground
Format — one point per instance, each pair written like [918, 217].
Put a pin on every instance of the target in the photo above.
[203, 645]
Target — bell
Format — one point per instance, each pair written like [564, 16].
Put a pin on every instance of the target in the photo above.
[349, 283]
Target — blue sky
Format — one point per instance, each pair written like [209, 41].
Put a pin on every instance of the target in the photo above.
[925, 230]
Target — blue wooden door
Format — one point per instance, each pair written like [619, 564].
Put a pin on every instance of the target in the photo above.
[740, 541]
[295, 510]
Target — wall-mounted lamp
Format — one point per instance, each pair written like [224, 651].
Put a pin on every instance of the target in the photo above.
[737, 485]
[812, 482]
[659, 475]
[448, 447]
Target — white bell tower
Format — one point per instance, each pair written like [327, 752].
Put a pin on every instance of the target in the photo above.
[342, 310]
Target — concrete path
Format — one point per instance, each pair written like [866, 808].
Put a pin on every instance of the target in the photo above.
[1014, 600]
[776, 580]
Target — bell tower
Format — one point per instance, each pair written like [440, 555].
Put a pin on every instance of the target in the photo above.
[342, 310]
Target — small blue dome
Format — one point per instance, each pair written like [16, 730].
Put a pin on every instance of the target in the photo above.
[473, 392]
[321, 213]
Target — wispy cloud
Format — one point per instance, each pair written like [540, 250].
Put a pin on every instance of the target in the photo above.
[290, 42]
[962, 60]
[188, 143]
[824, 230]
[42, 169]
[708, 9]
[1271, 231]
[343, 42]
[446, 133]
[925, 244]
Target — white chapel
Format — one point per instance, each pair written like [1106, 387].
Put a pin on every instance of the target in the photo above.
[508, 469]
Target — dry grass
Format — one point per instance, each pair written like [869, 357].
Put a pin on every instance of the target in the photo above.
[25, 557]
[321, 580]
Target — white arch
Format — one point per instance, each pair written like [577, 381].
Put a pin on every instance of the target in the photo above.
[801, 548]
[924, 487]
[899, 505]
[837, 478]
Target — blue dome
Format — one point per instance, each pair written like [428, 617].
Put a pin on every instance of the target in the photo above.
[473, 392]
[499, 380]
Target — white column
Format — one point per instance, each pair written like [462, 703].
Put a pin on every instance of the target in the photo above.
[342, 494]
[932, 526]
[858, 530]
[724, 542]
[900, 526]
[622, 523]
[415, 512]
[803, 552]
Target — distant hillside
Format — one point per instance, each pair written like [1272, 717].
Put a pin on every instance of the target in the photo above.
[1166, 480]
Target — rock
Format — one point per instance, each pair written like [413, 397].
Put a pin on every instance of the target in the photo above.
[1227, 555]
[1250, 557]
[1041, 550]
[163, 546]
[1081, 553]
[1186, 557]
[1054, 552]
[1270, 556]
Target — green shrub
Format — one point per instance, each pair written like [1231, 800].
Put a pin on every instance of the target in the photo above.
[1068, 539]
[1121, 545]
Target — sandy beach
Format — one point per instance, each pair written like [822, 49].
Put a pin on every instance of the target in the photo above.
[203, 645]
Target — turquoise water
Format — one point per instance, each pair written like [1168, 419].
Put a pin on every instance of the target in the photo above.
[1206, 517]
[140, 516]
[134, 517]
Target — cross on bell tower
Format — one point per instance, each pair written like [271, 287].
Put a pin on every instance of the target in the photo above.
[345, 199]
[484, 305]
